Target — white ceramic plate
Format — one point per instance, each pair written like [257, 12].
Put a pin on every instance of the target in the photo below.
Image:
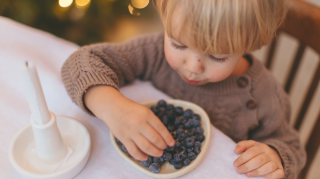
[168, 170]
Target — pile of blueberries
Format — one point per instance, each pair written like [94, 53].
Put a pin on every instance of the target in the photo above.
[185, 128]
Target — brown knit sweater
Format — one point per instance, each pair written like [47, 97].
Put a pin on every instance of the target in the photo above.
[250, 106]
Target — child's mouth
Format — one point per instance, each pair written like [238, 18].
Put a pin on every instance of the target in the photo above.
[190, 81]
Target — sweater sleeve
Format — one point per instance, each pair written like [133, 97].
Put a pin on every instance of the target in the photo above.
[111, 64]
[274, 129]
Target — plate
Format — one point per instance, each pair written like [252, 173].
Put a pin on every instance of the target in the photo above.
[168, 170]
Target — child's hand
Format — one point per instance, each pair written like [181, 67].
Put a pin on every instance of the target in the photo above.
[133, 124]
[258, 159]
[140, 131]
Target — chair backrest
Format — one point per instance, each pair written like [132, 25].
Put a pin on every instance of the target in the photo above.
[303, 23]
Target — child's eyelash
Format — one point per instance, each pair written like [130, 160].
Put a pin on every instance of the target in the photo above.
[218, 59]
[178, 46]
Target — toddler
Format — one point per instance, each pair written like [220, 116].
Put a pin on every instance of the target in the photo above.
[203, 57]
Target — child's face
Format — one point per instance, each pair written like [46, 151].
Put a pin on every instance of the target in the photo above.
[194, 67]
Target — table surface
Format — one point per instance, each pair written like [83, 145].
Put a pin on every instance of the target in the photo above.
[20, 43]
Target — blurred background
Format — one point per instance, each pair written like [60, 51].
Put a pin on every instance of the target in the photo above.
[85, 21]
[90, 21]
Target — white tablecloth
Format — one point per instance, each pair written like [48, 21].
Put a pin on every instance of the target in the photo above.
[19, 43]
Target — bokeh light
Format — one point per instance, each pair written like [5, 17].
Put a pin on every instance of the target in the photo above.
[133, 10]
[82, 2]
[65, 3]
[140, 3]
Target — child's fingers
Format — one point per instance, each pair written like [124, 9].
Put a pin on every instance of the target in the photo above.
[243, 146]
[162, 130]
[247, 155]
[268, 170]
[253, 164]
[134, 151]
[279, 173]
[147, 147]
[153, 136]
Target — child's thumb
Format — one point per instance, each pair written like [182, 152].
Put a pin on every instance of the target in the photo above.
[244, 145]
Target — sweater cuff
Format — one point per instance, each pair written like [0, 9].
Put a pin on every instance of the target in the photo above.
[86, 80]
[284, 153]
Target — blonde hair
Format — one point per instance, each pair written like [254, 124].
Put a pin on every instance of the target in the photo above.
[247, 25]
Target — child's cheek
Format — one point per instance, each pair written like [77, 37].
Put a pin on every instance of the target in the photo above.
[173, 62]
[219, 75]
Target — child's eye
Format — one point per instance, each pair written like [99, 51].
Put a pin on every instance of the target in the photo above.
[218, 59]
[178, 46]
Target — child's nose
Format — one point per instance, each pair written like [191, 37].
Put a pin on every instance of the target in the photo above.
[194, 65]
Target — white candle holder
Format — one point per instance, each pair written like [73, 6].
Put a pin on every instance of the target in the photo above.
[23, 151]
[49, 147]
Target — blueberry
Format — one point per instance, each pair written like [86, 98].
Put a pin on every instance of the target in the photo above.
[155, 167]
[184, 155]
[159, 160]
[180, 131]
[171, 114]
[170, 107]
[187, 114]
[124, 149]
[166, 156]
[118, 142]
[177, 121]
[199, 130]
[197, 150]
[176, 151]
[196, 117]
[182, 136]
[186, 162]
[147, 162]
[188, 125]
[177, 144]
[189, 142]
[190, 149]
[190, 133]
[162, 103]
[182, 149]
[184, 120]
[174, 136]
[197, 144]
[170, 148]
[155, 109]
[165, 120]
[192, 155]
[179, 110]
[163, 109]
[171, 161]
[160, 114]
[181, 126]
[178, 165]
[195, 123]
[178, 157]
[200, 137]
[171, 127]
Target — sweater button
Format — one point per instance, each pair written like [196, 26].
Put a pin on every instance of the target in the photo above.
[242, 82]
[251, 104]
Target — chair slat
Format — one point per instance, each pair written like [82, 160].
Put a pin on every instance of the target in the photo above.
[294, 67]
[271, 53]
[308, 98]
[312, 147]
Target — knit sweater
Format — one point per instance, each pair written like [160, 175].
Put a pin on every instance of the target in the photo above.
[249, 106]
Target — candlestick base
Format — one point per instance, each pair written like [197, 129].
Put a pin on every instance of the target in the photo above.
[23, 157]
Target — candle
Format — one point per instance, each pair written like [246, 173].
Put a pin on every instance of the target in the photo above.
[37, 103]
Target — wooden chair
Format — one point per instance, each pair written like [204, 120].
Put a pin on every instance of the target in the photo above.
[303, 23]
